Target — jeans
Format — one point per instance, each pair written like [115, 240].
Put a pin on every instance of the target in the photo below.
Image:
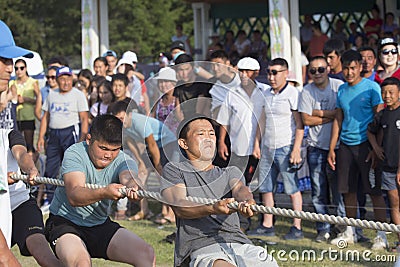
[323, 178]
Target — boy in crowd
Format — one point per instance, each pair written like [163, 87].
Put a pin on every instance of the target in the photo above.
[384, 134]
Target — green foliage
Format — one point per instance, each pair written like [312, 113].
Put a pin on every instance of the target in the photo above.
[53, 27]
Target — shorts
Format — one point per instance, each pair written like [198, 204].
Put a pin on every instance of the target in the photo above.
[26, 125]
[233, 253]
[389, 181]
[96, 238]
[351, 167]
[275, 162]
[27, 219]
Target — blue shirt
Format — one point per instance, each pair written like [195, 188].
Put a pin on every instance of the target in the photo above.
[143, 126]
[357, 103]
[44, 92]
[76, 159]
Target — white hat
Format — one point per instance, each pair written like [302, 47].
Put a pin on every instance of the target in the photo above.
[248, 63]
[131, 56]
[124, 61]
[166, 74]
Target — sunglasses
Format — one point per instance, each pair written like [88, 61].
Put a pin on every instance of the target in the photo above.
[319, 70]
[274, 72]
[386, 52]
[19, 68]
[50, 77]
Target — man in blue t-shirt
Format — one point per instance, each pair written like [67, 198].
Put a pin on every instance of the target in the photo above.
[78, 227]
[357, 101]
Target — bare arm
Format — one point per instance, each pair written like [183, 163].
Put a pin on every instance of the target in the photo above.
[314, 120]
[84, 119]
[25, 162]
[178, 110]
[38, 100]
[7, 259]
[78, 195]
[336, 128]
[259, 134]
[42, 131]
[154, 152]
[295, 156]
[176, 196]
[223, 150]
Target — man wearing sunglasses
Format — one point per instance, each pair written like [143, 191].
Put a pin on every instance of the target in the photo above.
[388, 58]
[317, 105]
[280, 147]
[357, 101]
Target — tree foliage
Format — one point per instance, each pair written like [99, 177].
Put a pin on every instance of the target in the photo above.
[53, 27]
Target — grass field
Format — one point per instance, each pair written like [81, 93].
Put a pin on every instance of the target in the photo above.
[305, 252]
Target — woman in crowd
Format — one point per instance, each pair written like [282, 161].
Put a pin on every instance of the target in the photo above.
[106, 97]
[94, 92]
[388, 58]
[100, 66]
[29, 100]
[84, 84]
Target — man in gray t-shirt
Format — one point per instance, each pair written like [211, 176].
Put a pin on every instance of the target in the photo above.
[317, 106]
[208, 235]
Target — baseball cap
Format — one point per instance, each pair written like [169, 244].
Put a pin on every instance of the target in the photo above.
[178, 45]
[248, 63]
[166, 74]
[123, 61]
[110, 53]
[387, 41]
[8, 49]
[63, 71]
[131, 56]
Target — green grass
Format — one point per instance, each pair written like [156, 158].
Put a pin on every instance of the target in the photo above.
[154, 235]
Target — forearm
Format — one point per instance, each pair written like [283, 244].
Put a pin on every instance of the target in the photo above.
[242, 193]
[298, 139]
[315, 120]
[324, 113]
[26, 163]
[334, 135]
[372, 140]
[81, 196]
[43, 125]
[187, 210]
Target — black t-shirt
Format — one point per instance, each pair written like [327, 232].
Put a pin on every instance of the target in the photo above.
[389, 121]
[190, 92]
[15, 138]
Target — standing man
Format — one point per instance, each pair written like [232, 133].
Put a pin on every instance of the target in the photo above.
[66, 117]
[279, 149]
[317, 105]
[78, 227]
[8, 51]
[357, 101]
[333, 50]
[369, 62]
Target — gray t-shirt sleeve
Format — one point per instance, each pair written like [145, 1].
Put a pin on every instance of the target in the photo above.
[305, 102]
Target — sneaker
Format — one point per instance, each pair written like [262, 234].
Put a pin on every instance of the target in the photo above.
[344, 237]
[261, 230]
[322, 237]
[45, 209]
[294, 234]
[380, 243]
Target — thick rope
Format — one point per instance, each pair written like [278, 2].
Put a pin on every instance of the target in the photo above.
[309, 216]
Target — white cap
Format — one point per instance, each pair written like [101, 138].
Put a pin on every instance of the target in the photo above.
[123, 61]
[131, 56]
[166, 74]
[248, 63]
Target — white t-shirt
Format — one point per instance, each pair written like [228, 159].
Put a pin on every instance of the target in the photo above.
[242, 113]
[64, 108]
[280, 127]
[219, 91]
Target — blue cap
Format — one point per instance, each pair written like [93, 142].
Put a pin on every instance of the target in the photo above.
[8, 49]
[63, 71]
[110, 53]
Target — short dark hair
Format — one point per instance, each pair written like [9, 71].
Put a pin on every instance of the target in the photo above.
[279, 61]
[52, 68]
[120, 77]
[183, 58]
[367, 48]
[58, 60]
[350, 56]
[86, 73]
[122, 106]
[391, 81]
[219, 54]
[318, 58]
[102, 59]
[333, 45]
[106, 128]
[183, 128]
